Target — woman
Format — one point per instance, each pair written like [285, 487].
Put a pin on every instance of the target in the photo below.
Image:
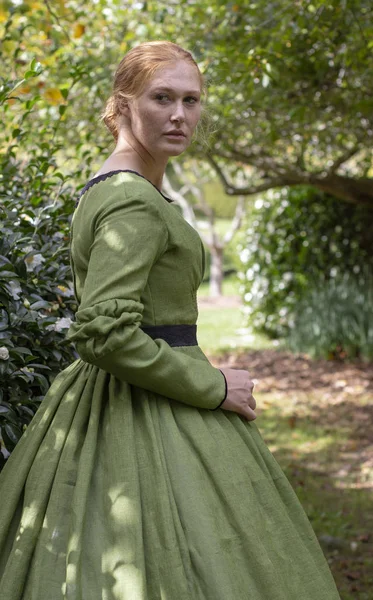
[143, 476]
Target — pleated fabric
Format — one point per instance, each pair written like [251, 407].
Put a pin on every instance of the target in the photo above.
[124, 495]
[118, 491]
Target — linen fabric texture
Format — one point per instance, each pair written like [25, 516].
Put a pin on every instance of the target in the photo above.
[131, 483]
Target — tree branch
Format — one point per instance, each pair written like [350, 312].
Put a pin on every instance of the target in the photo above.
[342, 159]
[232, 190]
[237, 220]
[56, 17]
[179, 198]
[262, 161]
[257, 159]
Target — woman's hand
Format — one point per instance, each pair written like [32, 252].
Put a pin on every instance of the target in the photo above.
[239, 397]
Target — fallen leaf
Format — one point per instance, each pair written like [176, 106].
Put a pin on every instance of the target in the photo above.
[353, 575]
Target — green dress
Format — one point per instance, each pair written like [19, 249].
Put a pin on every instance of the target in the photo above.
[131, 483]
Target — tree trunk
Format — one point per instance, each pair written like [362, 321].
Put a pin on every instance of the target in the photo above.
[216, 271]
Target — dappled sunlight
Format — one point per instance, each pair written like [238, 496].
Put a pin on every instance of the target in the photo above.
[60, 437]
[73, 556]
[29, 516]
[54, 537]
[122, 554]
[115, 240]
[286, 441]
[128, 582]
[122, 509]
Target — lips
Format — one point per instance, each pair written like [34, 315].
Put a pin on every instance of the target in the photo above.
[175, 134]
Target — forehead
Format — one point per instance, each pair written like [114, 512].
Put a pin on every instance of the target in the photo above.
[180, 76]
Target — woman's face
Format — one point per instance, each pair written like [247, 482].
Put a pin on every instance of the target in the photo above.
[163, 118]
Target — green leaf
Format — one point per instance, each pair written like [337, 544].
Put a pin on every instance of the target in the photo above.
[59, 175]
[22, 350]
[11, 435]
[43, 382]
[8, 413]
[36, 66]
[40, 304]
[27, 411]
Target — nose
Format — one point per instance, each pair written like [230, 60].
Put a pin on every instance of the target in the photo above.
[178, 113]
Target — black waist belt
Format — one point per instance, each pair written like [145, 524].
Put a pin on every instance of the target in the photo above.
[174, 335]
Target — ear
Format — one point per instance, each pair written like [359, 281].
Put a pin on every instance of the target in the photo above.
[123, 106]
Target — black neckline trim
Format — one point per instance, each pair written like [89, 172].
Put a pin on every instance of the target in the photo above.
[104, 176]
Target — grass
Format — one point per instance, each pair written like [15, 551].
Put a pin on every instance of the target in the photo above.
[231, 287]
[222, 328]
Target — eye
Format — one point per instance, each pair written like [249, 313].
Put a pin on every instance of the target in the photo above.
[162, 97]
[191, 100]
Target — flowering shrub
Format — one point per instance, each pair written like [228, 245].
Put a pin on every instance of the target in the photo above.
[36, 297]
[36, 204]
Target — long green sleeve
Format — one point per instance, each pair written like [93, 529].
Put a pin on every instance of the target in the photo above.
[119, 238]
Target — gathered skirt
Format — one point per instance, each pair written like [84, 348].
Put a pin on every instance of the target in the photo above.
[116, 493]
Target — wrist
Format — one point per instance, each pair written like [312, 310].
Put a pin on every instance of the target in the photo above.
[225, 392]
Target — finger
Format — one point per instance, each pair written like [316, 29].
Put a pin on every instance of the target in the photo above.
[252, 402]
[250, 385]
[250, 415]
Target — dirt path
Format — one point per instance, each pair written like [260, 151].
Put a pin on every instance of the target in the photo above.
[283, 372]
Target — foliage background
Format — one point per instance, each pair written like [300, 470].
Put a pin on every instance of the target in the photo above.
[299, 239]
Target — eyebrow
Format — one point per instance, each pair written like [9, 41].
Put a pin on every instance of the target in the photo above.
[167, 89]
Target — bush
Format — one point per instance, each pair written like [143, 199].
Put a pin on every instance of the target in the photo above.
[295, 238]
[36, 295]
[36, 303]
[335, 319]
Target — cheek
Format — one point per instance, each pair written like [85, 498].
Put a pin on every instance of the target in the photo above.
[150, 122]
[195, 118]
[144, 126]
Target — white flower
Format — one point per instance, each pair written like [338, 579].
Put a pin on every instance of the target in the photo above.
[27, 218]
[4, 451]
[14, 289]
[62, 323]
[34, 261]
[67, 292]
[4, 353]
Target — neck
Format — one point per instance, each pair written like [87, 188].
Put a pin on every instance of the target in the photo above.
[129, 154]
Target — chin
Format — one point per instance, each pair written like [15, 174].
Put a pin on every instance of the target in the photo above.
[176, 152]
